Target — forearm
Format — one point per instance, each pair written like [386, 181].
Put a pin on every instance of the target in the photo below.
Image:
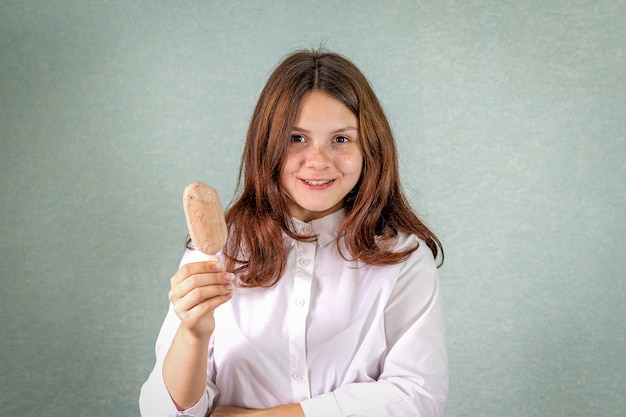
[184, 369]
[288, 410]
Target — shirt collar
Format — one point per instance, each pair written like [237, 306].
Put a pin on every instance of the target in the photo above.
[326, 228]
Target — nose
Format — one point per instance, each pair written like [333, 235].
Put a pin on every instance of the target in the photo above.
[317, 156]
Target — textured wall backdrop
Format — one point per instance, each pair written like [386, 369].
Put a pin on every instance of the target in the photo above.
[510, 119]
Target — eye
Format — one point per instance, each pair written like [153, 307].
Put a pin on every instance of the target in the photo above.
[297, 139]
[341, 139]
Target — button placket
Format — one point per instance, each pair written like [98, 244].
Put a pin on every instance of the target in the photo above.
[298, 311]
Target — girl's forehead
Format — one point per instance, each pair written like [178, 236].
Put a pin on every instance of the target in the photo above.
[320, 109]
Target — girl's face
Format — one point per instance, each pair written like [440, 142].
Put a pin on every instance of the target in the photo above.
[324, 160]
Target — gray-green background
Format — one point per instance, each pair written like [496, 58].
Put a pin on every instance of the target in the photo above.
[510, 118]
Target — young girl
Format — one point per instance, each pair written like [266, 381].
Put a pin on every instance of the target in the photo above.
[338, 309]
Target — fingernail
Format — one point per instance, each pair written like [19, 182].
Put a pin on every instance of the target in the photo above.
[228, 277]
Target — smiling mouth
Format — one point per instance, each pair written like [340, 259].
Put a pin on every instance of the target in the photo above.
[318, 182]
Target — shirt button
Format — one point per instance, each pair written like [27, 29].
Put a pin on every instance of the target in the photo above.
[300, 302]
[307, 229]
[303, 262]
[297, 376]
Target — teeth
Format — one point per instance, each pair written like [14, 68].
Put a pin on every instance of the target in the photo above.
[313, 182]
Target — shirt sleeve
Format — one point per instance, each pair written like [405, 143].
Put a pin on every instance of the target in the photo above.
[154, 398]
[414, 378]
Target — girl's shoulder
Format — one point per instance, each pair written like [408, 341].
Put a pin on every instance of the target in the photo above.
[403, 242]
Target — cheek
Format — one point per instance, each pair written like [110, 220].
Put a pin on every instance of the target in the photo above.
[351, 163]
[289, 166]
[282, 177]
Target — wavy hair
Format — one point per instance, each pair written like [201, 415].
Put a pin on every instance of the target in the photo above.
[376, 208]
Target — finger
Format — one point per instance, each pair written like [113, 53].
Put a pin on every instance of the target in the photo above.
[199, 280]
[209, 305]
[193, 268]
[198, 312]
[199, 295]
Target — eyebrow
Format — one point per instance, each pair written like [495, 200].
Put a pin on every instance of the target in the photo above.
[341, 130]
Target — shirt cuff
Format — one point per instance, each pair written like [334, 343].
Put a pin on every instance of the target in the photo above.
[155, 400]
[199, 409]
[322, 406]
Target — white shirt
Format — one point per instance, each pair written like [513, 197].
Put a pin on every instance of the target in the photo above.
[342, 338]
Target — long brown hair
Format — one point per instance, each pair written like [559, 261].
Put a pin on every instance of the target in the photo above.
[376, 208]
